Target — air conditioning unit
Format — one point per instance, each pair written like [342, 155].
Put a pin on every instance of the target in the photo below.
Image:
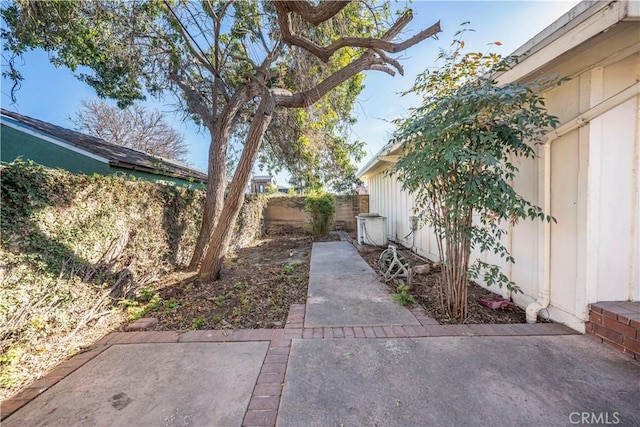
[372, 229]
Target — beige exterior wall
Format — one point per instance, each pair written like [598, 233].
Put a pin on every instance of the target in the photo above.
[586, 176]
[289, 211]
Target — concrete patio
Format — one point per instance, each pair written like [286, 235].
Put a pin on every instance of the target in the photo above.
[352, 356]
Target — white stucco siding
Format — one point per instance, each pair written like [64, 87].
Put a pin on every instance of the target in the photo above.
[618, 203]
[564, 101]
[635, 232]
[387, 198]
[565, 209]
[620, 75]
[524, 235]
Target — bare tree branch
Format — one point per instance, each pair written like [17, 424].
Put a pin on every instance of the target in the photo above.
[383, 44]
[390, 61]
[370, 60]
[135, 127]
[309, 97]
[383, 68]
[314, 15]
[193, 98]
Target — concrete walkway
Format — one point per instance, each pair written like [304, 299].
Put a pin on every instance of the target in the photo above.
[457, 381]
[477, 375]
[335, 364]
[344, 290]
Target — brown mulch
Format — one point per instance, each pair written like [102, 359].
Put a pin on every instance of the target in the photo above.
[426, 292]
[259, 283]
[257, 286]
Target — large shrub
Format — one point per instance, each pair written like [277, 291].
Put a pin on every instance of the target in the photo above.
[460, 147]
[75, 248]
[72, 247]
[321, 207]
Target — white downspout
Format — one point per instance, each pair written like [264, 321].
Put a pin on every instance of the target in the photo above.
[544, 294]
[544, 251]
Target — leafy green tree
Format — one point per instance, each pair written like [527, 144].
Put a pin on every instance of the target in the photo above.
[235, 66]
[459, 153]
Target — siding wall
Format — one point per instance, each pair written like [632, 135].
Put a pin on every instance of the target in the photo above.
[14, 144]
[593, 251]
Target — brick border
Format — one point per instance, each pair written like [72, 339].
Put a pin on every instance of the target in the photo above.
[26, 395]
[265, 399]
[420, 331]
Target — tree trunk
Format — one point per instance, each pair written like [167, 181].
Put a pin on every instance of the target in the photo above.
[223, 230]
[455, 264]
[214, 196]
[216, 183]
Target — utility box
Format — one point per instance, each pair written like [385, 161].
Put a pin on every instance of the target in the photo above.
[372, 229]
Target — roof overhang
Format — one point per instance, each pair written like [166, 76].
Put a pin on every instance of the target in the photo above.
[381, 160]
[585, 21]
[167, 167]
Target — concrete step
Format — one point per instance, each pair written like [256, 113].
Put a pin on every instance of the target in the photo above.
[616, 324]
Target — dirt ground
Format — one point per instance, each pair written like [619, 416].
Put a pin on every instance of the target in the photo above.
[426, 292]
[256, 288]
[260, 282]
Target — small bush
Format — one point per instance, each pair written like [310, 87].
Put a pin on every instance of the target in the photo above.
[198, 322]
[321, 207]
[403, 296]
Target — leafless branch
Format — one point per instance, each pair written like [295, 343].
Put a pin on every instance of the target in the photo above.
[372, 59]
[135, 127]
[192, 97]
[325, 53]
[314, 15]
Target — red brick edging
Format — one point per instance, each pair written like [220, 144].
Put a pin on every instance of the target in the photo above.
[265, 399]
[26, 395]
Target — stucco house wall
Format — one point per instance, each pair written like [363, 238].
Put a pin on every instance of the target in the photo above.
[586, 174]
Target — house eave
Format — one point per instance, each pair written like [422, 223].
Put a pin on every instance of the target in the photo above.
[155, 171]
[585, 21]
[387, 154]
[174, 168]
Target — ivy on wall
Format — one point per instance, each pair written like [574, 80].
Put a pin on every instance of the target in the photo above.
[72, 246]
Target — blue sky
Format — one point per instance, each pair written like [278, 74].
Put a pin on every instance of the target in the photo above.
[53, 94]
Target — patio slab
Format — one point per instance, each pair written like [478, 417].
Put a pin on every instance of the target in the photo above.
[457, 381]
[345, 291]
[152, 385]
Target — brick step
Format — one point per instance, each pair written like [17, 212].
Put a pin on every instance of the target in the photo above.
[616, 324]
